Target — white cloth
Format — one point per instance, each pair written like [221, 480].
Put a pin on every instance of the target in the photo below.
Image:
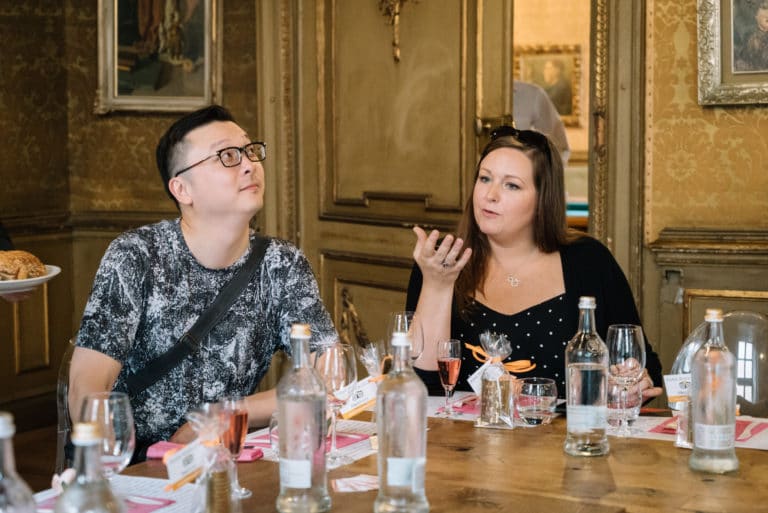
[533, 110]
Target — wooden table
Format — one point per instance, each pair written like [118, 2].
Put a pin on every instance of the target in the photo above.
[525, 470]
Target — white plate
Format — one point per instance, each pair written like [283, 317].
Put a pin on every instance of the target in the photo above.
[13, 286]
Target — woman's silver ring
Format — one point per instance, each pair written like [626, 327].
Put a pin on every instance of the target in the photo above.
[446, 265]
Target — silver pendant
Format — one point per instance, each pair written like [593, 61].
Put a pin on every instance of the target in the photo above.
[513, 280]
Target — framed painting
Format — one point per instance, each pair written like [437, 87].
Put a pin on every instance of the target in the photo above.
[155, 55]
[557, 69]
[732, 52]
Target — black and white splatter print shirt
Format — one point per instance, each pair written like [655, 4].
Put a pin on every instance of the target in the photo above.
[149, 290]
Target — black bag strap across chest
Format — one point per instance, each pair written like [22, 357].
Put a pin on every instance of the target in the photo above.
[191, 340]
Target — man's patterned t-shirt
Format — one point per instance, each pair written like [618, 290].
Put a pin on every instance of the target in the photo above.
[149, 290]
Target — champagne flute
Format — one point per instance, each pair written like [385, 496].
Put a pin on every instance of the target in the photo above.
[112, 412]
[338, 368]
[234, 438]
[626, 355]
[407, 322]
[448, 365]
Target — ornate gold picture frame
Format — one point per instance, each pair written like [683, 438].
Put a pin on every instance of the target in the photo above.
[557, 69]
[732, 52]
[158, 56]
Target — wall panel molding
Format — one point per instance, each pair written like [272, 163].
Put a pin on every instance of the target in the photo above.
[422, 165]
[676, 246]
[376, 283]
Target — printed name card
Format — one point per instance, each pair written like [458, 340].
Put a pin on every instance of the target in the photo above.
[185, 462]
[476, 379]
[363, 397]
[678, 387]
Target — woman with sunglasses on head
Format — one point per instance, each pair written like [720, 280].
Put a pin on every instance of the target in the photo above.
[515, 268]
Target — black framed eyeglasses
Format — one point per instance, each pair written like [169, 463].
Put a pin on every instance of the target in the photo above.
[255, 151]
[530, 138]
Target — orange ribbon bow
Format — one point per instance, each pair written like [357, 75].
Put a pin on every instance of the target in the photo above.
[515, 367]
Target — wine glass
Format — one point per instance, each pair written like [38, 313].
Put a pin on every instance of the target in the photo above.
[112, 412]
[448, 365]
[338, 368]
[234, 438]
[535, 400]
[407, 322]
[626, 355]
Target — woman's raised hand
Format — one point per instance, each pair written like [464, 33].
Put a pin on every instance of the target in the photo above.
[439, 262]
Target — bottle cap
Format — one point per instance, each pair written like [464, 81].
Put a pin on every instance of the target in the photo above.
[400, 338]
[7, 429]
[300, 330]
[713, 315]
[587, 302]
[86, 433]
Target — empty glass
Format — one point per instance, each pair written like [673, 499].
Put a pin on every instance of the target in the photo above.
[535, 400]
[407, 322]
[626, 355]
[112, 412]
[338, 369]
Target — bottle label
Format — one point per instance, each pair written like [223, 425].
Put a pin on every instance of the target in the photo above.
[406, 472]
[714, 437]
[295, 473]
[582, 419]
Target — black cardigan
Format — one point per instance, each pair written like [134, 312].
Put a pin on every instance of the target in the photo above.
[589, 269]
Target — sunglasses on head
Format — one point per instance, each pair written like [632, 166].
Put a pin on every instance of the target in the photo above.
[529, 138]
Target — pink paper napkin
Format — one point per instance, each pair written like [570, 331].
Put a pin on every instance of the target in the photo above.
[133, 503]
[157, 450]
[669, 427]
[343, 439]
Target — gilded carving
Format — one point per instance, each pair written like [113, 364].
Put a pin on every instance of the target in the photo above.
[391, 9]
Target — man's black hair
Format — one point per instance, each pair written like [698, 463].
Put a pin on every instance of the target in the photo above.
[168, 153]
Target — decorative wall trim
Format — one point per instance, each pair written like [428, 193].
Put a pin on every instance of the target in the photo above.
[55, 221]
[598, 197]
[367, 258]
[378, 283]
[711, 246]
[117, 220]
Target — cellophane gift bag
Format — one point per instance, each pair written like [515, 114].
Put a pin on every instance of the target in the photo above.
[214, 489]
[497, 394]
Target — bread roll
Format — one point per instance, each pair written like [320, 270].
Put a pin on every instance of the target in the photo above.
[20, 265]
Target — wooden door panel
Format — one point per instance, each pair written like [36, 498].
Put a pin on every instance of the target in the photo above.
[394, 141]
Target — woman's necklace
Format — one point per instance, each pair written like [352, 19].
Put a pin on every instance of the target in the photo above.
[512, 278]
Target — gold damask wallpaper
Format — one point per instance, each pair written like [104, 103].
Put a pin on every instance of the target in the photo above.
[59, 156]
[33, 107]
[705, 167]
[111, 158]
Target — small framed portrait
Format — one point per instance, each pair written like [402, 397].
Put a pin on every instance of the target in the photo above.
[557, 69]
[157, 55]
[732, 52]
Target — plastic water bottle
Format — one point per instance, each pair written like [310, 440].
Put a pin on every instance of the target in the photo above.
[301, 403]
[90, 491]
[401, 423]
[713, 401]
[586, 387]
[15, 495]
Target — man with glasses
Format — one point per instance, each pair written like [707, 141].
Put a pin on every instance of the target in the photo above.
[154, 282]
